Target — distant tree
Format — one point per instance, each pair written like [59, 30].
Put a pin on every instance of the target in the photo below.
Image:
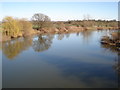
[87, 17]
[40, 20]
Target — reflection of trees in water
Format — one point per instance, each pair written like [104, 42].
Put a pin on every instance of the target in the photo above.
[15, 47]
[67, 35]
[115, 50]
[43, 43]
[60, 36]
[117, 64]
[86, 35]
[110, 48]
[78, 33]
[0, 46]
[106, 32]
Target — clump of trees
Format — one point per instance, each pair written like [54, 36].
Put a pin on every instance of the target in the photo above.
[13, 27]
[92, 23]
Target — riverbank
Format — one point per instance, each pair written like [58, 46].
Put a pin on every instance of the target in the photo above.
[112, 41]
[11, 27]
[60, 30]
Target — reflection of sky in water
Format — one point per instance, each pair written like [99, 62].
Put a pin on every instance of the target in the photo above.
[84, 71]
[69, 62]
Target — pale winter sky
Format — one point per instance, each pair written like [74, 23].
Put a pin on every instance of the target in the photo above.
[61, 11]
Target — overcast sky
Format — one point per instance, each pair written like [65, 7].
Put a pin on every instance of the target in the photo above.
[58, 11]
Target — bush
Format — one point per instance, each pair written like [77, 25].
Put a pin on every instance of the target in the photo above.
[26, 26]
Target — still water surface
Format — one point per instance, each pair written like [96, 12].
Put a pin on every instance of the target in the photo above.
[75, 60]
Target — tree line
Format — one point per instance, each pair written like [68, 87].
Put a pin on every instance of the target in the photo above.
[14, 27]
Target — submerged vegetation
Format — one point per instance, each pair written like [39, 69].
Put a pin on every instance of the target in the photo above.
[40, 24]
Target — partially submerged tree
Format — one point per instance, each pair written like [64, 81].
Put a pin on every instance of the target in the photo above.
[40, 20]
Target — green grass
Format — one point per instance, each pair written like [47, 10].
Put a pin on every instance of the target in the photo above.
[35, 27]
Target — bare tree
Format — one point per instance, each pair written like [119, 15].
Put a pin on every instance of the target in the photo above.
[39, 20]
[87, 17]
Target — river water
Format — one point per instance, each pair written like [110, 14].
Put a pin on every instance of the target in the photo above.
[76, 60]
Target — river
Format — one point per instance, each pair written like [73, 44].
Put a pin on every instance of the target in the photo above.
[76, 60]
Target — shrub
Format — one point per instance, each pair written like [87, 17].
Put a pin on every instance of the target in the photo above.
[26, 27]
